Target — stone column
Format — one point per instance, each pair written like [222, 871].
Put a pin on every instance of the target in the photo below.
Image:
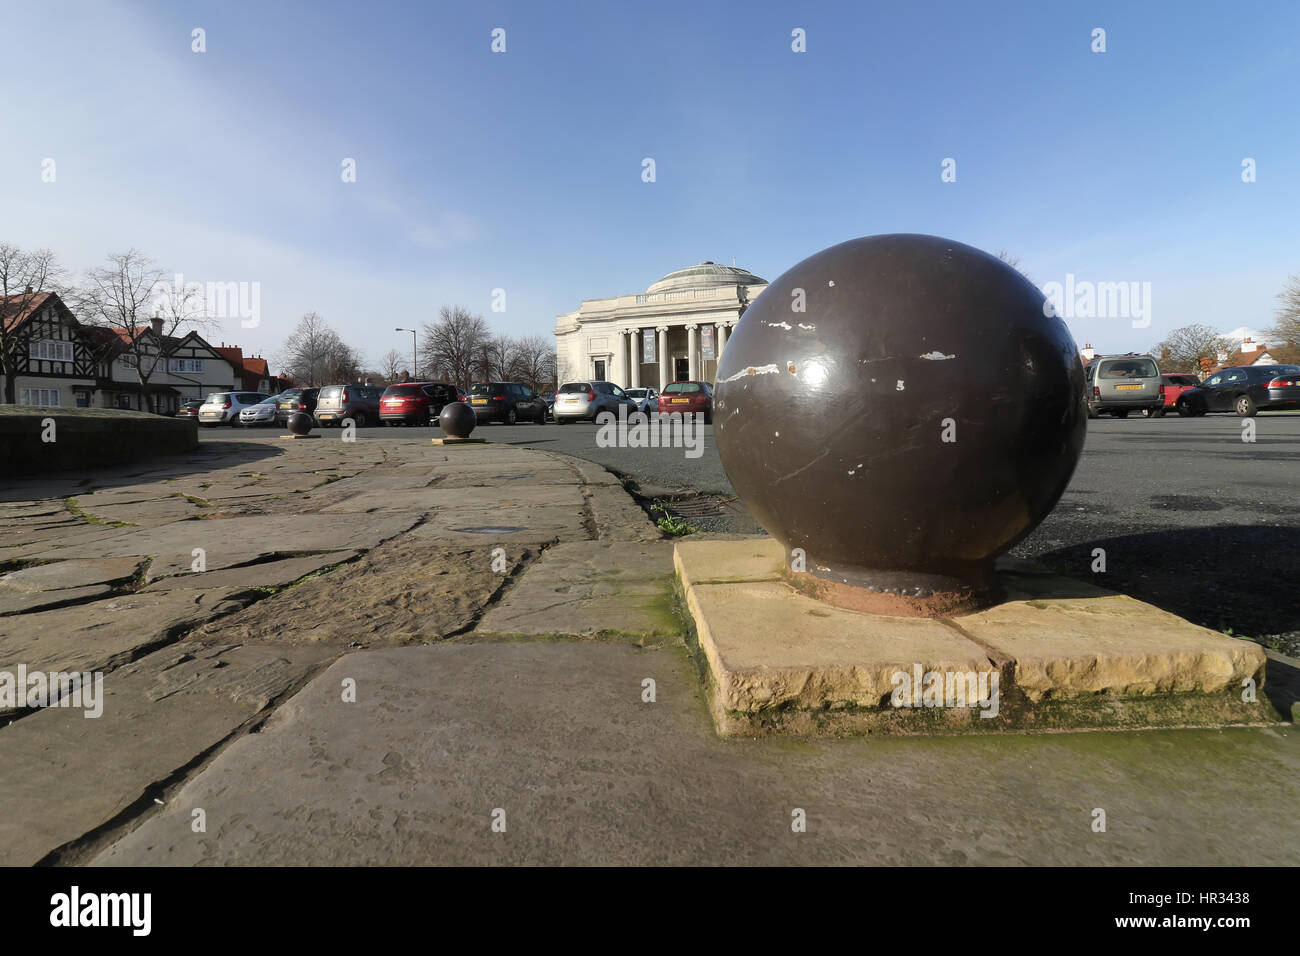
[618, 374]
[692, 352]
[722, 340]
[634, 366]
[663, 357]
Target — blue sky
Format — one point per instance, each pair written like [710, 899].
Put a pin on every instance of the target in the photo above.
[522, 170]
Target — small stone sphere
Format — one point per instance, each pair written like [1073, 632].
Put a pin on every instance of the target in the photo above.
[300, 423]
[904, 408]
[457, 420]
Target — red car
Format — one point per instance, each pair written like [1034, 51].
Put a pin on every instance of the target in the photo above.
[416, 403]
[687, 397]
[1173, 384]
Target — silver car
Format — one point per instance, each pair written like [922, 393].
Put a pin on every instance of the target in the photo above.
[223, 408]
[263, 413]
[1120, 384]
[583, 401]
[647, 399]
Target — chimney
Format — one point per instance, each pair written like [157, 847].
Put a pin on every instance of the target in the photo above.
[1088, 352]
[157, 326]
[1164, 355]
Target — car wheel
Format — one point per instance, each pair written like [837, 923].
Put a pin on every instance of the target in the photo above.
[510, 418]
[1157, 413]
[1183, 409]
[359, 419]
[1120, 413]
[708, 417]
[1246, 406]
[1092, 412]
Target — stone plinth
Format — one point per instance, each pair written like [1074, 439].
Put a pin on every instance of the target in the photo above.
[1066, 655]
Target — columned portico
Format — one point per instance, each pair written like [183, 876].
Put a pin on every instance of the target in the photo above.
[659, 336]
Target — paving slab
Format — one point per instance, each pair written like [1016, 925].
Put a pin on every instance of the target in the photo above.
[498, 525]
[559, 738]
[75, 573]
[231, 541]
[102, 635]
[1064, 654]
[263, 574]
[67, 774]
[587, 589]
[512, 496]
[407, 591]
[15, 601]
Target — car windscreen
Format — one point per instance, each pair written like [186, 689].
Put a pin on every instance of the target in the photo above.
[332, 391]
[403, 391]
[1127, 368]
[571, 388]
[216, 398]
[484, 388]
[635, 393]
[682, 388]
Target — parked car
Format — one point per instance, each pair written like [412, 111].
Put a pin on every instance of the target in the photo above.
[295, 400]
[687, 398]
[549, 399]
[1243, 389]
[263, 413]
[357, 402]
[1284, 390]
[1173, 385]
[416, 403]
[506, 402]
[189, 410]
[646, 398]
[1120, 384]
[583, 401]
[223, 408]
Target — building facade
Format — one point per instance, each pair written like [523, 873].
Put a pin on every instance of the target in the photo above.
[52, 363]
[674, 331]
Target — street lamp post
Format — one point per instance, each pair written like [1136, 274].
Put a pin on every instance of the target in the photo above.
[414, 352]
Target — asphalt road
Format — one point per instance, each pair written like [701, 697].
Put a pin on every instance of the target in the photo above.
[1191, 518]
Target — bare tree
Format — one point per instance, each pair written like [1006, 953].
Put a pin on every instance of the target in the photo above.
[534, 361]
[453, 345]
[392, 365]
[23, 277]
[1188, 345]
[315, 355]
[1287, 316]
[131, 297]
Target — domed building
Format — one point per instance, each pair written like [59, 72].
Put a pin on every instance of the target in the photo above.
[674, 331]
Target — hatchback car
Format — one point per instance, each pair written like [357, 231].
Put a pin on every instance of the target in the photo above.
[295, 400]
[189, 410]
[583, 401]
[416, 403]
[223, 408]
[1244, 389]
[507, 403]
[357, 402]
[1284, 390]
[1120, 384]
[263, 413]
[1174, 384]
[687, 398]
[645, 398]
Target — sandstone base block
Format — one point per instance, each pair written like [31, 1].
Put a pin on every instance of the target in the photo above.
[1057, 654]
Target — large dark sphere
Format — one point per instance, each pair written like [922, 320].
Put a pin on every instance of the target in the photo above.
[300, 423]
[457, 420]
[831, 421]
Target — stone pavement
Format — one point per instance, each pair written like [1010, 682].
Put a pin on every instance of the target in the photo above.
[395, 645]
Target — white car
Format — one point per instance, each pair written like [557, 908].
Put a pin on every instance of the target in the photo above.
[223, 408]
[263, 413]
[647, 400]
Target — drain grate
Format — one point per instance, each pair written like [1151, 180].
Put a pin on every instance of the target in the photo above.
[510, 477]
[488, 529]
[694, 508]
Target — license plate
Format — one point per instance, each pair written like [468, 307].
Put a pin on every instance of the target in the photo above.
[1125, 388]
[479, 401]
[681, 401]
